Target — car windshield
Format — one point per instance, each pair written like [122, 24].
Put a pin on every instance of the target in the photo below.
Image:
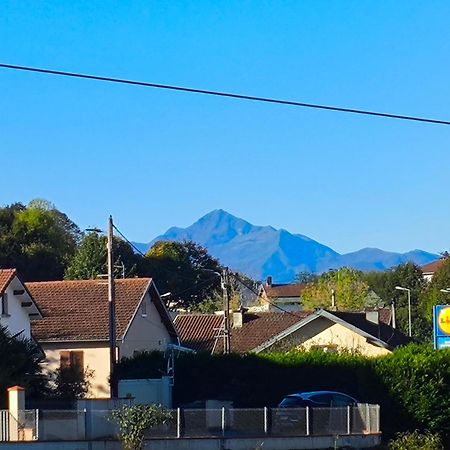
[291, 402]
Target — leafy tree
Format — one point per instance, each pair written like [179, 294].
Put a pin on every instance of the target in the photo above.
[409, 276]
[38, 240]
[90, 259]
[306, 277]
[350, 290]
[19, 363]
[184, 269]
[134, 421]
[71, 383]
[432, 295]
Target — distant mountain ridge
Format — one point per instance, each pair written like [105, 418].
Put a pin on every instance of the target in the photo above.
[259, 251]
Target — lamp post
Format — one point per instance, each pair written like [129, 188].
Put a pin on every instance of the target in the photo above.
[400, 288]
[446, 290]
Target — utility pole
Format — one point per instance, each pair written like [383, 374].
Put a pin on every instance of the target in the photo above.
[111, 311]
[226, 310]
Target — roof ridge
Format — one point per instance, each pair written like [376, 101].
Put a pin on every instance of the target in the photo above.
[95, 280]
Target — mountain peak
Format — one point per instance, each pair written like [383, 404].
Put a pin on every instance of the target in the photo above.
[259, 251]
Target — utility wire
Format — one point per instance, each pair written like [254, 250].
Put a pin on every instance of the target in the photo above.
[224, 94]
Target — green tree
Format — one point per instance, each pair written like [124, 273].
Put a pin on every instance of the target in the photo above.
[90, 259]
[19, 364]
[432, 294]
[306, 277]
[38, 240]
[71, 383]
[184, 269]
[409, 276]
[350, 290]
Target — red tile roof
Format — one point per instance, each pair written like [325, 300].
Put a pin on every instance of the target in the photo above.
[283, 290]
[78, 310]
[6, 276]
[199, 331]
[433, 266]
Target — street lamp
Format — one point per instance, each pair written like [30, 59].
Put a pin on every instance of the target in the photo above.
[446, 290]
[400, 288]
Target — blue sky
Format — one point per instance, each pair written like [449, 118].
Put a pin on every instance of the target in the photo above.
[155, 159]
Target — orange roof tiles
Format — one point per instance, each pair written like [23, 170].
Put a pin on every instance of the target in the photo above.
[284, 290]
[78, 310]
[199, 331]
[6, 276]
[433, 266]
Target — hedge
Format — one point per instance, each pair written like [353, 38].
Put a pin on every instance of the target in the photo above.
[411, 384]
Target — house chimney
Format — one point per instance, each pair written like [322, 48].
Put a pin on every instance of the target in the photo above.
[269, 281]
[373, 316]
[238, 319]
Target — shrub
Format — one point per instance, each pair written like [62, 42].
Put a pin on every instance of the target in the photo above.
[134, 421]
[416, 441]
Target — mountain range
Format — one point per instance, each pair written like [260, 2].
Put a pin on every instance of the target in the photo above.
[259, 251]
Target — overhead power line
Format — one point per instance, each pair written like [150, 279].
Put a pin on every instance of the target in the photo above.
[224, 94]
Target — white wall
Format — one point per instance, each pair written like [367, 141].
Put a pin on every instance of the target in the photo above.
[96, 358]
[147, 331]
[17, 318]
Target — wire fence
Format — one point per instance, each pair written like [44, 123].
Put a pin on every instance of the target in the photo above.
[74, 425]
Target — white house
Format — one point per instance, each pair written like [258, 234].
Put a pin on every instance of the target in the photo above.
[17, 306]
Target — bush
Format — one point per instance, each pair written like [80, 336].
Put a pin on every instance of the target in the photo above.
[134, 421]
[416, 441]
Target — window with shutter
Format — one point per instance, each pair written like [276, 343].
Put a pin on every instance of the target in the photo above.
[64, 360]
[77, 360]
[71, 360]
[5, 304]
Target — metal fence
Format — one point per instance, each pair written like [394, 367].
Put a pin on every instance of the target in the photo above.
[24, 427]
[71, 425]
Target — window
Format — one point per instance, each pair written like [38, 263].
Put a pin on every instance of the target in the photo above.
[324, 399]
[144, 308]
[5, 304]
[72, 360]
[342, 400]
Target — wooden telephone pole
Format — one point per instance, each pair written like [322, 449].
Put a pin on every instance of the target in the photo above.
[111, 311]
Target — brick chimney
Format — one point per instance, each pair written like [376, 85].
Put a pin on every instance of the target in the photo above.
[269, 281]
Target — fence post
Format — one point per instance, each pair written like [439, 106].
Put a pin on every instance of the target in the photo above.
[178, 423]
[307, 421]
[368, 418]
[223, 421]
[16, 404]
[378, 418]
[349, 429]
[266, 420]
[85, 421]
[36, 432]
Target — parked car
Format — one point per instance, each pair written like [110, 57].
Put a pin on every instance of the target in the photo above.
[317, 399]
[291, 412]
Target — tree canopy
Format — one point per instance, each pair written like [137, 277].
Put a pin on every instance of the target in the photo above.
[185, 269]
[350, 290]
[90, 259]
[37, 239]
